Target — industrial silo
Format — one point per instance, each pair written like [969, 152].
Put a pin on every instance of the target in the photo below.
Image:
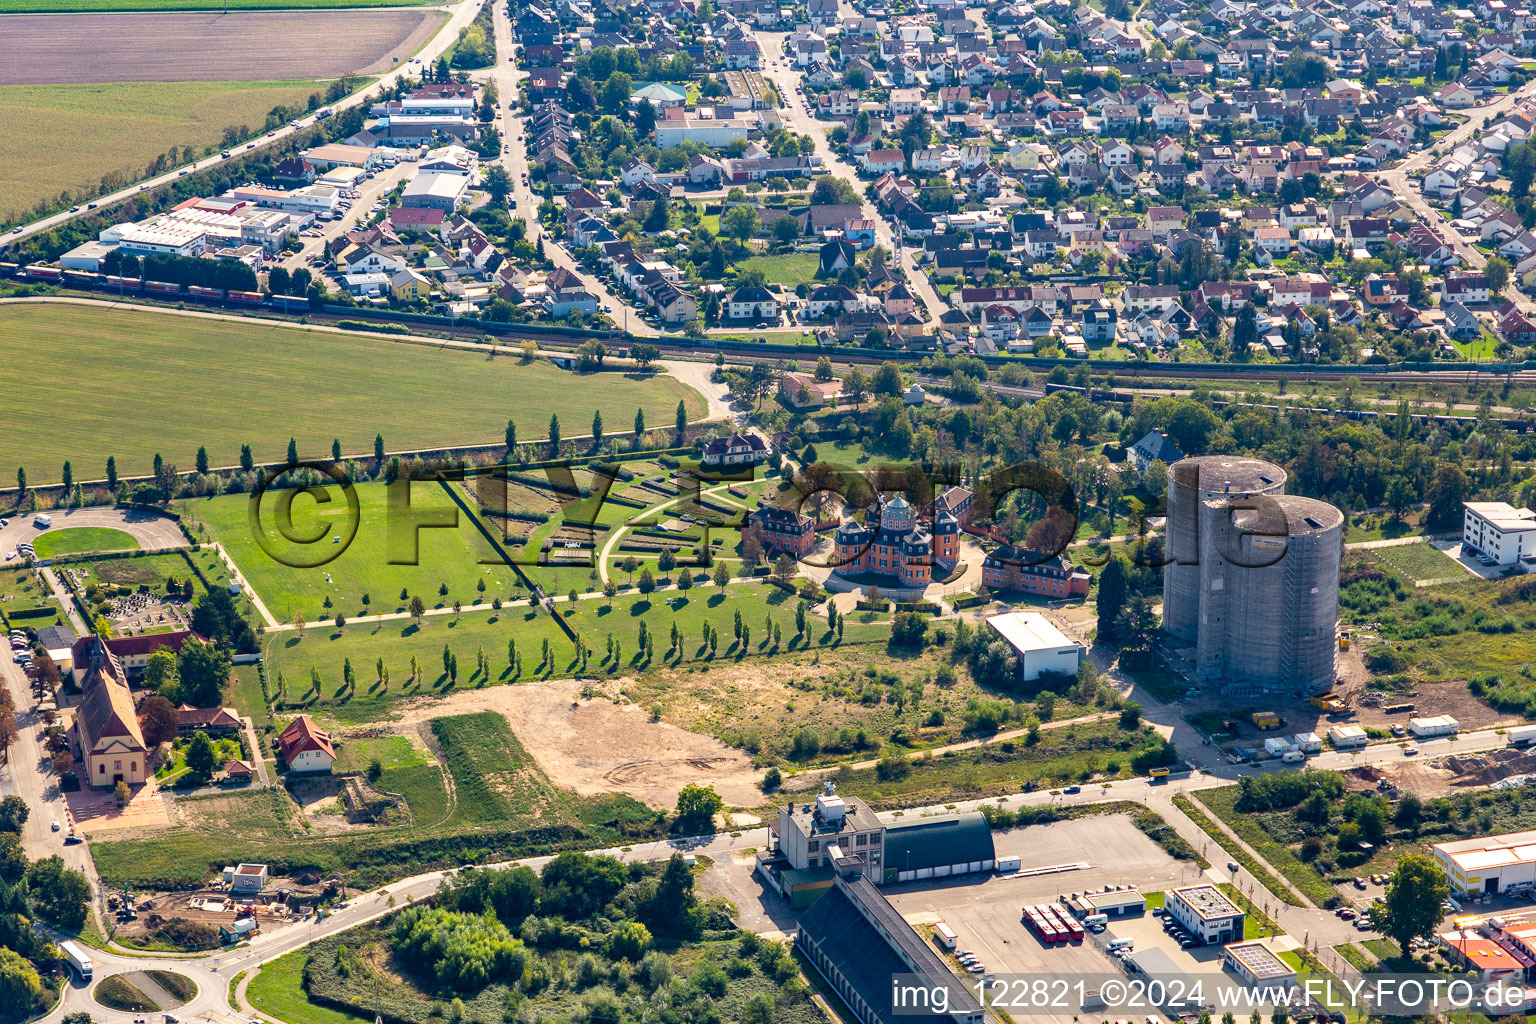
[1190, 482]
[1270, 581]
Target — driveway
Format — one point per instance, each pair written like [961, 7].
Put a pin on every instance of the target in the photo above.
[153, 532]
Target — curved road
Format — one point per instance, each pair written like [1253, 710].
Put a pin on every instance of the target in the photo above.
[150, 530]
[213, 971]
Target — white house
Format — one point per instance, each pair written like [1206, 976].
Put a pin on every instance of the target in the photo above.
[306, 747]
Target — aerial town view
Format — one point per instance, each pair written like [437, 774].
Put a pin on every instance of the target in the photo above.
[1076, 460]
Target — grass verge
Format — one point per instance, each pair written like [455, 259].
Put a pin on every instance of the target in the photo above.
[1222, 802]
[1237, 853]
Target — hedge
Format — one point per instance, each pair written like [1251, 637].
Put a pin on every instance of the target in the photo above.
[871, 606]
[30, 613]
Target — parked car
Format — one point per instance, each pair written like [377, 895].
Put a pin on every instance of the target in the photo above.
[1073, 790]
[1347, 913]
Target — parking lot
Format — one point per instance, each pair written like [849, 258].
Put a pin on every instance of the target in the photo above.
[985, 910]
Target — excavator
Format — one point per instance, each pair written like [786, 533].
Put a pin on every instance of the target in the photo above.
[1335, 703]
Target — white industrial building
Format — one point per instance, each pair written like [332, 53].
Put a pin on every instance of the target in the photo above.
[1257, 964]
[1348, 737]
[716, 133]
[1499, 530]
[1041, 647]
[1205, 912]
[1115, 903]
[439, 191]
[1489, 863]
[1436, 725]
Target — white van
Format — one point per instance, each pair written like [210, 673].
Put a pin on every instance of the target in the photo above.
[1124, 943]
[42, 522]
[1292, 756]
[1096, 920]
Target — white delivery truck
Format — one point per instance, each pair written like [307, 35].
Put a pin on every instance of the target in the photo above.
[1521, 734]
[42, 522]
[945, 935]
[77, 959]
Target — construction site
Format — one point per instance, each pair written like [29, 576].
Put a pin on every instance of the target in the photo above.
[1504, 768]
[218, 915]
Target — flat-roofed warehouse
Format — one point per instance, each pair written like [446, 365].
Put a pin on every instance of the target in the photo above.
[1256, 963]
[1489, 863]
[1041, 647]
[1116, 903]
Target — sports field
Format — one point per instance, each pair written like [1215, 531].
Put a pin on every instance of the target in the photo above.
[130, 383]
[68, 137]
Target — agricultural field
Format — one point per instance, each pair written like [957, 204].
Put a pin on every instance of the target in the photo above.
[62, 137]
[247, 46]
[272, 383]
[79, 539]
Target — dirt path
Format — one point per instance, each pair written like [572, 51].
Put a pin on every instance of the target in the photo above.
[594, 746]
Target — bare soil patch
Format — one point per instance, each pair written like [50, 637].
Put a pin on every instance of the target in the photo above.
[594, 746]
[44, 49]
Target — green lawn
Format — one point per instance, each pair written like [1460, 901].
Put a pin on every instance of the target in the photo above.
[278, 991]
[58, 137]
[370, 564]
[326, 650]
[789, 269]
[196, 382]
[355, 755]
[77, 539]
[1419, 562]
[25, 602]
[1354, 957]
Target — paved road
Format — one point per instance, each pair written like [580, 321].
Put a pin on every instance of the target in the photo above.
[213, 970]
[1397, 179]
[509, 78]
[459, 16]
[151, 531]
[797, 118]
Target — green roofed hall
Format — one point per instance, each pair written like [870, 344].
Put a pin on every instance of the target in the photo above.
[938, 848]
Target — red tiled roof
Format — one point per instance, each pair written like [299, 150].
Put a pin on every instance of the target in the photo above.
[302, 734]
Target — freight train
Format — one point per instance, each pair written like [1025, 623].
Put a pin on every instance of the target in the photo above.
[138, 286]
